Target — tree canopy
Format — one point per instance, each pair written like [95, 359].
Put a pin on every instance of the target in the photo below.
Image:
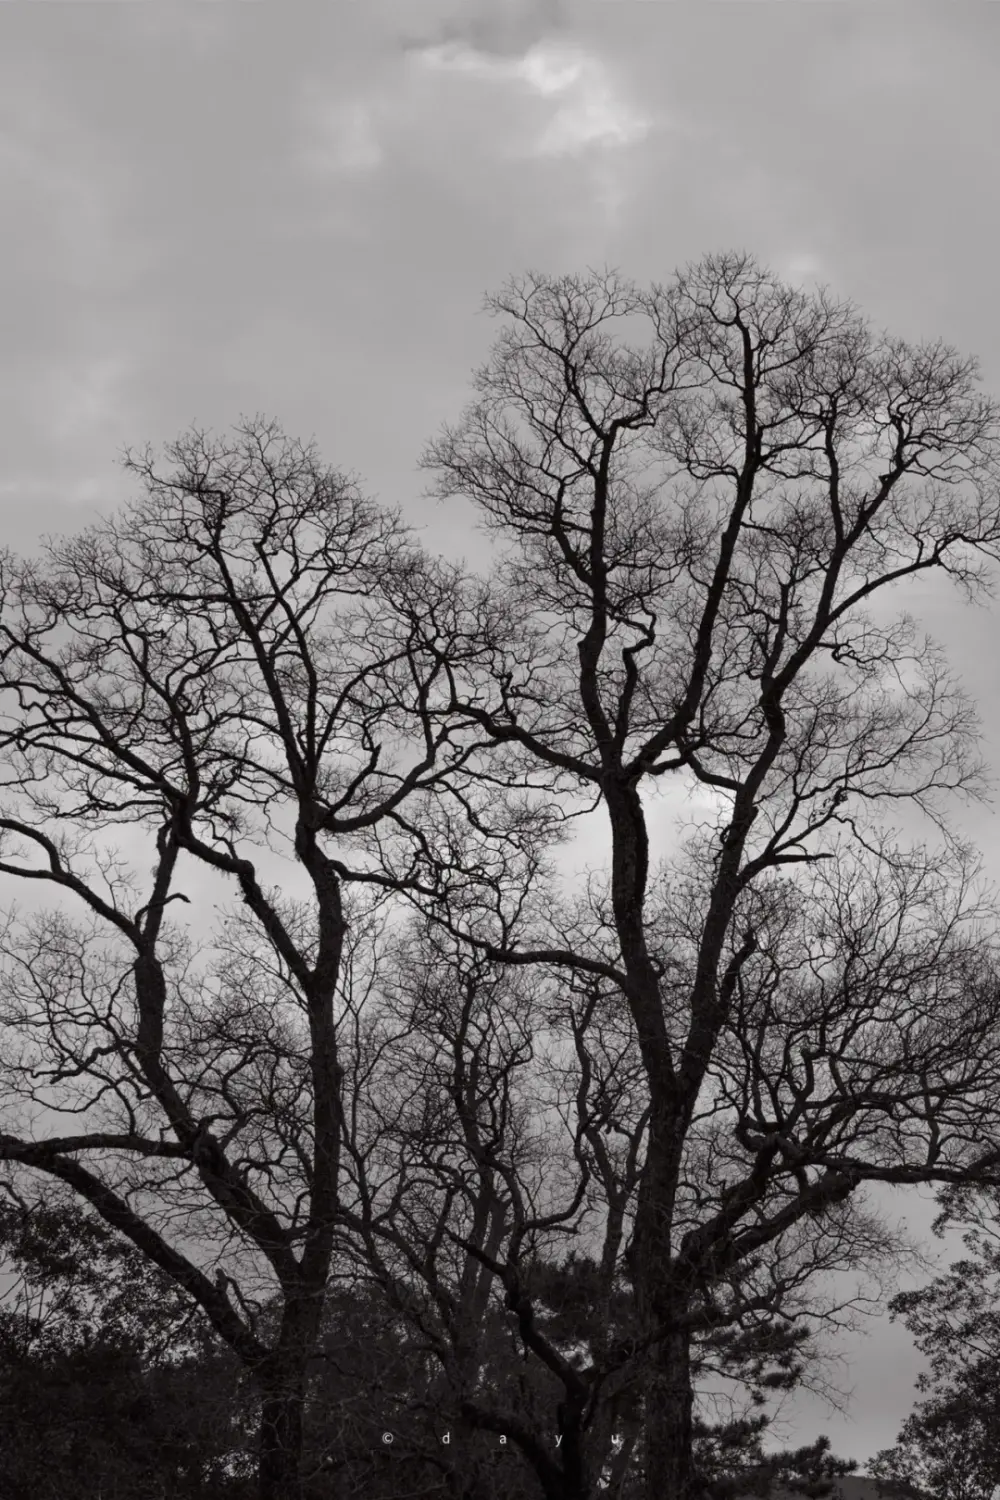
[570, 1151]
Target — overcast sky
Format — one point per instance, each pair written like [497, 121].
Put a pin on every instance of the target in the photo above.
[225, 208]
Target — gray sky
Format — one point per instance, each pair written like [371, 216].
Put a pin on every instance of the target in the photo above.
[226, 207]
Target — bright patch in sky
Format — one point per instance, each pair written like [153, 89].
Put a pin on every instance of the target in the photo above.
[587, 110]
[345, 136]
[801, 267]
[82, 399]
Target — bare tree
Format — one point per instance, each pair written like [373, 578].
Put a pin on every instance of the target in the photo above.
[698, 528]
[254, 663]
[220, 677]
[465, 1182]
[502, 1121]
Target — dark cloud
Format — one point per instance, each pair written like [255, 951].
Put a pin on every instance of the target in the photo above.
[506, 29]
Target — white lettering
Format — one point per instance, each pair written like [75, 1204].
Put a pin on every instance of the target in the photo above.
[446, 1438]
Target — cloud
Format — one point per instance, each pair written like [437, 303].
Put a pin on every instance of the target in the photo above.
[582, 109]
[57, 172]
[503, 28]
[200, 28]
[81, 401]
[28, 487]
[454, 104]
[800, 267]
[344, 135]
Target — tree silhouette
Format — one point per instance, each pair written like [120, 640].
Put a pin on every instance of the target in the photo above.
[949, 1446]
[221, 675]
[695, 532]
[111, 1384]
[565, 1153]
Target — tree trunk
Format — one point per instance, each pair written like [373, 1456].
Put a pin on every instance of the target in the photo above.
[281, 1380]
[280, 1472]
[662, 1303]
[669, 1401]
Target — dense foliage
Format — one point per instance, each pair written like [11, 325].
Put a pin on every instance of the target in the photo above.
[950, 1444]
